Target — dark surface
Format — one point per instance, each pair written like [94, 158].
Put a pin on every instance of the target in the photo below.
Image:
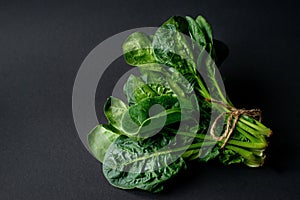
[42, 45]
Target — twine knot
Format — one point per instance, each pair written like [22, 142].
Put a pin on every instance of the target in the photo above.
[232, 120]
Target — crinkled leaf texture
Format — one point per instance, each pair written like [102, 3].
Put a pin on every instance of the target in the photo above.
[135, 90]
[147, 116]
[132, 164]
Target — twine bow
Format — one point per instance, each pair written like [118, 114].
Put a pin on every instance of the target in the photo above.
[234, 115]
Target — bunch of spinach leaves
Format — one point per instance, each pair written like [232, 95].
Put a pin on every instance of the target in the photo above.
[142, 145]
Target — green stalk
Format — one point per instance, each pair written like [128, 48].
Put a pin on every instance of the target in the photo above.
[262, 129]
[250, 159]
[252, 145]
[247, 135]
[203, 89]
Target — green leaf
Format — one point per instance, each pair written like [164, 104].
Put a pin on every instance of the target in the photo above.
[150, 115]
[155, 76]
[196, 32]
[206, 28]
[114, 110]
[140, 112]
[172, 49]
[136, 90]
[100, 138]
[137, 49]
[177, 22]
[131, 164]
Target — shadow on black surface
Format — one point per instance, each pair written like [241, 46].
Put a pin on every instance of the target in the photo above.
[280, 155]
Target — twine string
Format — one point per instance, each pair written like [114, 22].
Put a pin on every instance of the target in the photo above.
[232, 120]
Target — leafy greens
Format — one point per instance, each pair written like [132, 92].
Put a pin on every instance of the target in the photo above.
[142, 146]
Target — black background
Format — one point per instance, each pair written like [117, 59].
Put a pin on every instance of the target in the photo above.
[42, 45]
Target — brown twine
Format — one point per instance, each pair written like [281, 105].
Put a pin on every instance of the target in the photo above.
[234, 115]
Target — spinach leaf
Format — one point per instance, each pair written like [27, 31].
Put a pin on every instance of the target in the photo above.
[140, 112]
[177, 22]
[206, 28]
[100, 138]
[217, 49]
[171, 48]
[173, 82]
[137, 49]
[196, 32]
[114, 110]
[150, 115]
[136, 90]
[131, 164]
